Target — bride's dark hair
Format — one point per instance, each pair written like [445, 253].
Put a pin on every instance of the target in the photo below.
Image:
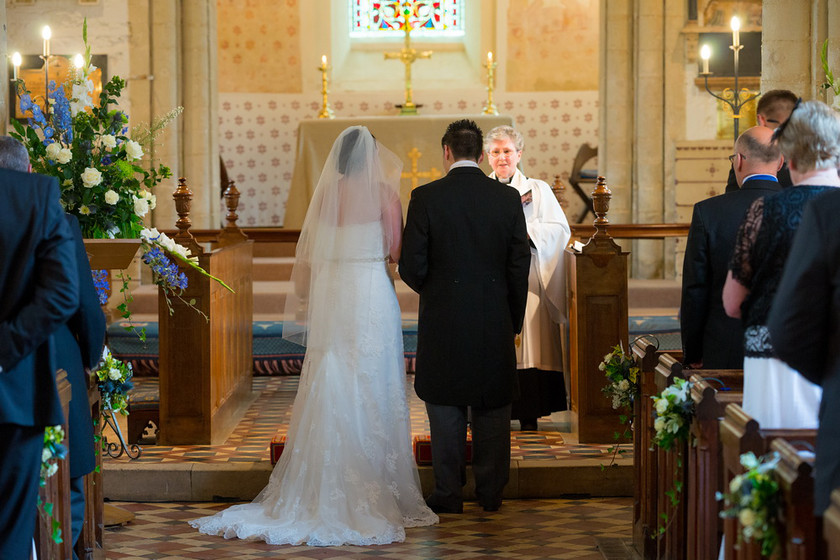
[348, 146]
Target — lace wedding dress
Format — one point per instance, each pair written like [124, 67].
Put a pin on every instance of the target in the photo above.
[347, 474]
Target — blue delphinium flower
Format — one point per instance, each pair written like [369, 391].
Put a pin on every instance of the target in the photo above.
[62, 117]
[103, 287]
[166, 272]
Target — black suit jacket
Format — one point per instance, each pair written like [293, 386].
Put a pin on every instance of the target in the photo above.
[40, 287]
[465, 251]
[804, 326]
[783, 176]
[79, 347]
[708, 334]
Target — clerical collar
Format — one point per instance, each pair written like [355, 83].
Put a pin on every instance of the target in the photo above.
[463, 163]
[760, 177]
[504, 181]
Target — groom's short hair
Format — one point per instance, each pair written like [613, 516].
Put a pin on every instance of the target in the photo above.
[464, 139]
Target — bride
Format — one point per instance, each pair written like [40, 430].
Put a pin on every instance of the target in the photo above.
[346, 475]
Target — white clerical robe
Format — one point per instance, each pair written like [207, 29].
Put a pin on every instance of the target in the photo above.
[539, 345]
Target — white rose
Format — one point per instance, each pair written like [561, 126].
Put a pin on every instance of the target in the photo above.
[152, 201]
[53, 150]
[141, 206]
[601, 366]
[53, 468]
[108, 141]
[659, 424]
[746, 517]
[735, 485]
[91, 177]
[114, 374]
[624, 385]
[661, 406]
[111, 197]
[46, 455]
[607, 357]
[133, 150]
[65, 155]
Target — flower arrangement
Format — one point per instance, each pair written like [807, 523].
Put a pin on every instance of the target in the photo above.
[99, 169]
[623, 375]
[830, 82]
[54, 451]
[114, 380]
[673, 410]
[753, 499]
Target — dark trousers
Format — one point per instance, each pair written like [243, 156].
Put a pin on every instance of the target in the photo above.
[490, 459]
[77, 508]
[20, 466]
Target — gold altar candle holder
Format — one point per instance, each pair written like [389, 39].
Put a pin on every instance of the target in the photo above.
[326, 112]
[490, 65]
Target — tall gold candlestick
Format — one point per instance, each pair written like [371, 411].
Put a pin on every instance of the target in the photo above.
[490, 107]
[326, 112]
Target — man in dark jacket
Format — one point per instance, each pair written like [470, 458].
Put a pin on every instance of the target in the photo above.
[465, 251]
[710, 338]
[40, 287]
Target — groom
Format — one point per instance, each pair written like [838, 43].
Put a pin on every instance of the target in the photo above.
[465, 251]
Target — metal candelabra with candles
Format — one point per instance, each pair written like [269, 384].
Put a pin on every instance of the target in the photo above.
[734, 97]
[326, 112]
[490, 106]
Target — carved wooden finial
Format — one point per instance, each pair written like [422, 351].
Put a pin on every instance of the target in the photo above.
[183, 202]
[559, 190]
[232, 203]
[601, 196]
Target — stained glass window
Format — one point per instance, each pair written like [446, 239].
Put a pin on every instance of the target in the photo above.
[386, 19]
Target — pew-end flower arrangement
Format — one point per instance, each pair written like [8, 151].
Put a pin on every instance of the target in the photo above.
[673, 412]
[753, 499]
[114, 381]
[103, 178]
[622, 389]
[54, 451]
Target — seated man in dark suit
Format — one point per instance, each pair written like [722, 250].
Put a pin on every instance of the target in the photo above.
[40, 287]
[773, 108]
[805, 331]
[710, 338]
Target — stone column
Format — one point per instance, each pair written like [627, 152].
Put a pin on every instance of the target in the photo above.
[200, 147]
[789, 45]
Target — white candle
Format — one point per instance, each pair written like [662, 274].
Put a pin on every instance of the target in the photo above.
[46, 33]
[735, 24]
[324, 60]
[705, 54]
[489, 57]
[16, 61]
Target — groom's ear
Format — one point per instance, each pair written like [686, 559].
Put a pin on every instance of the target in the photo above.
[480, 158]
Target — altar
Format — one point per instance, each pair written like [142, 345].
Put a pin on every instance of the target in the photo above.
[414, 139]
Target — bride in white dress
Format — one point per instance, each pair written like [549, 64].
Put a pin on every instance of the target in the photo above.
[347, 474]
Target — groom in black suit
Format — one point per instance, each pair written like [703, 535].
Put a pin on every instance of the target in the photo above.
[40, 286]
[465, 251]
[710, 338]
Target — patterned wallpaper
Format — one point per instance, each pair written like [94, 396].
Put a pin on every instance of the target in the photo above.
[552, 45]
[259, 46]
[258, 136]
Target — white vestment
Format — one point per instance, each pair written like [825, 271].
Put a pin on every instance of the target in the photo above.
[539, 345]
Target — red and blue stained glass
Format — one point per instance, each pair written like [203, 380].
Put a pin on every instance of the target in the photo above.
[431, 17]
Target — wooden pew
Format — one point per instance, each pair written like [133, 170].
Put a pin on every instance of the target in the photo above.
[57, 492]
[739, 434]
[90, 544]
[831, 526]
[646, 356]
[206, 365]
[705, 473]
[800, 531]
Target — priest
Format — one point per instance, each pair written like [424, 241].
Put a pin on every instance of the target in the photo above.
[538, 349]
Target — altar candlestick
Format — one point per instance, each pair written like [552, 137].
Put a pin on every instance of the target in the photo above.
[326, 112]
[323, 60]
[735, 24]
[490, 106]
[16, 61]
[705, 54]
[489, 57]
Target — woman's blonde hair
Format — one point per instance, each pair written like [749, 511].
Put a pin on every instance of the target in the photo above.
[810, 138]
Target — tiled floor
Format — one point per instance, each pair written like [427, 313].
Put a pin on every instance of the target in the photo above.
[269, 415]
[521, 529]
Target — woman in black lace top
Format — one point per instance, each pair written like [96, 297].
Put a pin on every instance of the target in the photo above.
[810, 142]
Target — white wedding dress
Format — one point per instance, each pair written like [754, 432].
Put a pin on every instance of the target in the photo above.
[347, 474]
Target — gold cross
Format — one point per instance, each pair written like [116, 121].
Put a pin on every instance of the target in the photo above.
[414, 155]
[408, 55]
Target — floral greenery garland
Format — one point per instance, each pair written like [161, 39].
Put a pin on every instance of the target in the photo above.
[622, 389]
[673, 413]
[830, 82]
[53, 452]
[753, 499]
[114, 381]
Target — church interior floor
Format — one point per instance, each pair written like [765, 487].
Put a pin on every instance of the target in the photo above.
[595, 528]
[545, 464]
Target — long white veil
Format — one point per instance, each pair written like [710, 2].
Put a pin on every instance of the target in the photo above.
[358, 185]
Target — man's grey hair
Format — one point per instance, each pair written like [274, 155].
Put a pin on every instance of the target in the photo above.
[13, 155]
[504, 132]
